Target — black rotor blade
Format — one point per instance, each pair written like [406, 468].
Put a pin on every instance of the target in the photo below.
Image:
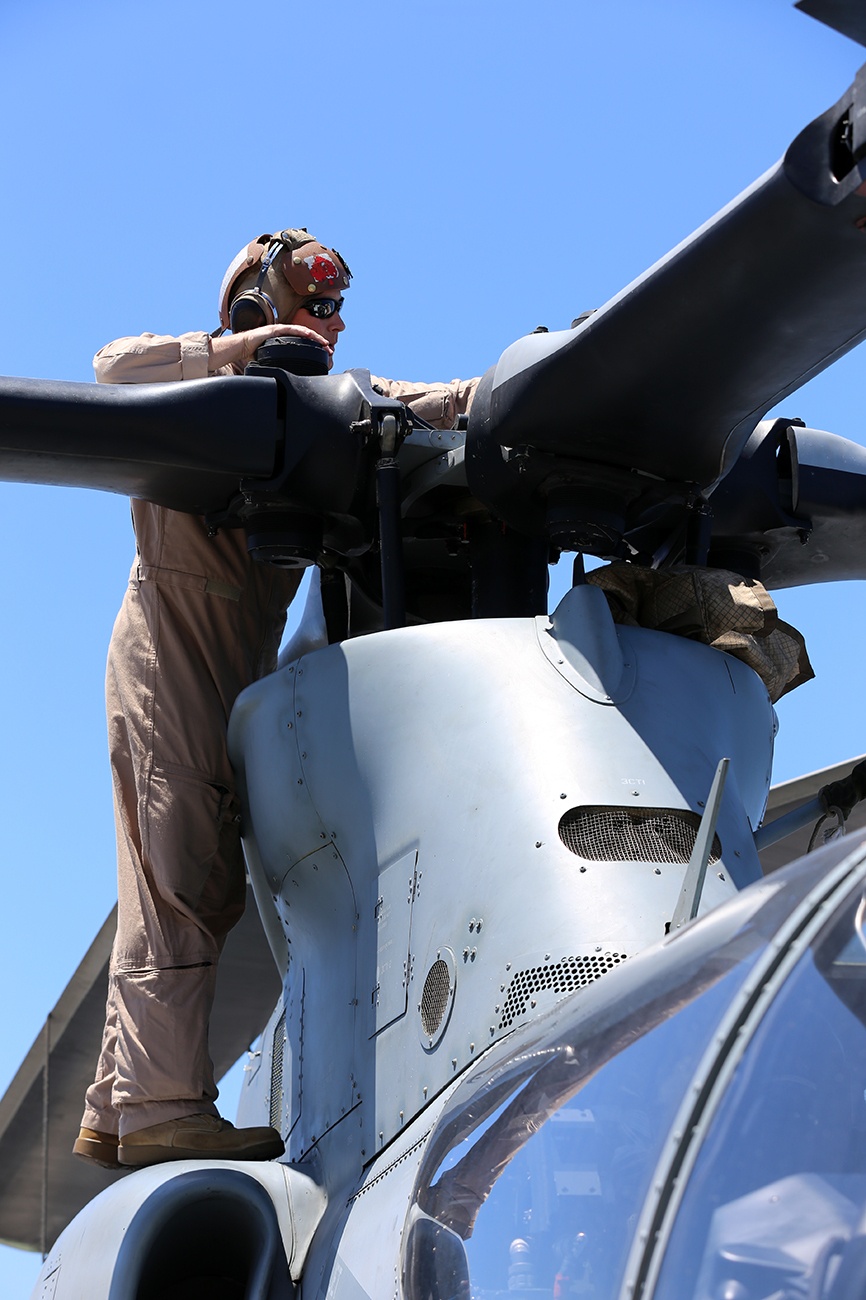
[793, 510]
[670, 377]
[830, 492]
[186, 446]
[289, 439]
[845, 16]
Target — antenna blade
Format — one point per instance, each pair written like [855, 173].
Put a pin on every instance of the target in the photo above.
[696, 871]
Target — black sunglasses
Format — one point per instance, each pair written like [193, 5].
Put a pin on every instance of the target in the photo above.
[322, 308]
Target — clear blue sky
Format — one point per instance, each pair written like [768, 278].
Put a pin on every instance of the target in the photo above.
[485, 166]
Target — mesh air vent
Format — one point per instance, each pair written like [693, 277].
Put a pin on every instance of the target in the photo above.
[561, 977]
[633, 834]
[276, 1110]
[434, 999]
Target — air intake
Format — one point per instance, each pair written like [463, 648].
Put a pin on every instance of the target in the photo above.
[633, 834]
[209, 1232]
[558, 977]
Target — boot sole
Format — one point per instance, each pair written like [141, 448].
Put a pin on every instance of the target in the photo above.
[136, 1157]
[96, 1153]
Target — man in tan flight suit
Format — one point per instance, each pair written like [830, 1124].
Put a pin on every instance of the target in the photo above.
[200, 621]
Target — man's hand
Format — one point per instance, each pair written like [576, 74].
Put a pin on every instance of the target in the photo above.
[238, 349]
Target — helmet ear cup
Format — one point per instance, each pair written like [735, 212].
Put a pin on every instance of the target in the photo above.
[249, 311]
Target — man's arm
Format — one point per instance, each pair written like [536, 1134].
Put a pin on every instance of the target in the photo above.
[153, 359]
[438, 404]
[166, 358]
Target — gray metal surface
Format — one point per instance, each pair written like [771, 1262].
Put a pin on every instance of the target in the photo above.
[340, 800]
[247, 990]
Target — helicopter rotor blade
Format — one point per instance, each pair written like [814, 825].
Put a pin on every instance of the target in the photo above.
[792, 512]
[194, 446]
[624, 420]
[670, 377]
[185, 446]
[845, 16]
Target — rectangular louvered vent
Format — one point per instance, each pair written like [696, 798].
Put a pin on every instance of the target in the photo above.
[279, 1047]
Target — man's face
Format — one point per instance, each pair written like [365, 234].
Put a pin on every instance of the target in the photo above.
[330, 328]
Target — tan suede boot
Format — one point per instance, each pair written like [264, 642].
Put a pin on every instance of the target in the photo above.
[198, 1137]
[97, 1147]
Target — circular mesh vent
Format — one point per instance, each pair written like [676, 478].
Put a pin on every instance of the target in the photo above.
[434, 999]
[561, 977]
[633, 834]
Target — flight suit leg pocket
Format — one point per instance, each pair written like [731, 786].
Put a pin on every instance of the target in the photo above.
[191, 844]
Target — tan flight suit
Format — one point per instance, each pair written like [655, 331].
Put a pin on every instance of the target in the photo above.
[200, 621]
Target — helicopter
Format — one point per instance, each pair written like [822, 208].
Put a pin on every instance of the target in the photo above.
[662, 513]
